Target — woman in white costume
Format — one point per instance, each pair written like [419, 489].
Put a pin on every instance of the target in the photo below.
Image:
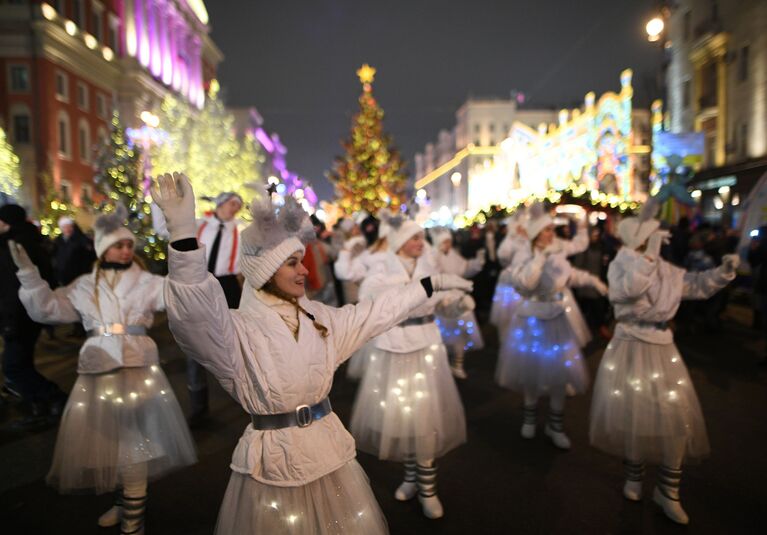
[407, 407]
[293, 470]
[460, 334]
[540, 354]
[644, 407]
[122, 424]
[353, 264]
[506, 298]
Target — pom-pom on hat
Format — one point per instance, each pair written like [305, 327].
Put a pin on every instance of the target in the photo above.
[110, 228]
[400, 231]
[538, 219]
[270, 239]
[634, 231]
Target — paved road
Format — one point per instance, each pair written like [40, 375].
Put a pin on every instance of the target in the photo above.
[495, 484]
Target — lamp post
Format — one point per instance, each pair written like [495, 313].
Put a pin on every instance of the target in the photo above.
[455, 178]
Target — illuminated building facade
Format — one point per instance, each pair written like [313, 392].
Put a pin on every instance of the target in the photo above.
[66, 64]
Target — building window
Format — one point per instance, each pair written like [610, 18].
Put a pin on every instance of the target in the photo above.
[19, 76]
[505, 129]
[114, 33]
[84, 141]
[476, 128]
[21, 128]
[62, 86]
[743, 139]
[82, 96]
[65, 141]
[743, 60]
[66, 190]
[478, 142]
[102, 136]
[687, 25]
[686, 94]
[86, 193]
[101, 105]
[78, 13]
[97, 20]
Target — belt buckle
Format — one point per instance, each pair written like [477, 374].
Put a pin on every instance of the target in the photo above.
[304, 415]
[107, 330]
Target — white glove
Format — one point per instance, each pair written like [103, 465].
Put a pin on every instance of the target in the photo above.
[446, 281]
[600, 287]
[20, 256]
[657, 239]
[355, 245]
[730, 263]
[175, 197]
[467, 303]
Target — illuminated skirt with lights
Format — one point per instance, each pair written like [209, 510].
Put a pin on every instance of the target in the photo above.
[505, 302]
[540, 357]
[340, 502]
[358, 362]
[644, 403]
[116, 420]
[408, 405]
[575, 317]
[463, 330]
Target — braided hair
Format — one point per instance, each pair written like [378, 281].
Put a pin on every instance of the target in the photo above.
[271, 288]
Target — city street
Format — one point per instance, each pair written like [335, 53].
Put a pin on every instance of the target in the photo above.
[497, 483]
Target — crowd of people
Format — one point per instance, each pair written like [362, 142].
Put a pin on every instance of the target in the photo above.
[272, 309]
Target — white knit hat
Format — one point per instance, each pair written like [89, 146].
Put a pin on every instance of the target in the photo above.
[65, 220]
[110, 229]
[221, 198]
[439, 235]
[401, 231]
[634, 231]
[538, 219]
[271, 238]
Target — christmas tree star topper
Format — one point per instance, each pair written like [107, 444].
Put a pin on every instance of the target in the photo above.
[366, 74]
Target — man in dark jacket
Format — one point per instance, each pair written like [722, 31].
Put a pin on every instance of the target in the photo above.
[20, 333]
[72, 252]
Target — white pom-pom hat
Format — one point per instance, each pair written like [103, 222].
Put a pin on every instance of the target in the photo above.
[110, 229]
[538, 219]
[271, 238]
[634, 231]
[400, 231]
[440, 235]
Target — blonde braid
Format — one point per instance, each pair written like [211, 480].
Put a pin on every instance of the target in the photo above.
[271, 288]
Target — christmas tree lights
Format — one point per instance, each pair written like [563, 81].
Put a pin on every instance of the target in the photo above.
[10, 176]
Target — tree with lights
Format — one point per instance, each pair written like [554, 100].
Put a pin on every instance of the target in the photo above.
[204, 145]
[370, 176]
[119, 178]
[10, 176]
[53, 206]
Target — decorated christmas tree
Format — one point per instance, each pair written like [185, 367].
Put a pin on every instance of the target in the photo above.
[10, 176]
[203, 143]
[54, 205]
[119, 177]
[370, 175]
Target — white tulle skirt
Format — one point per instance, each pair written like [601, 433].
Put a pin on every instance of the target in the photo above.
[541, 357]
[505, 303]
[358, 362]
[115, 420]
[463, 331]
[408, 405]
[575, 317]
[338, 503]
[644, 402]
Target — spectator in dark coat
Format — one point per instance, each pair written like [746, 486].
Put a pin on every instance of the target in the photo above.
[20, 333]
[73, 253]
[757, 257]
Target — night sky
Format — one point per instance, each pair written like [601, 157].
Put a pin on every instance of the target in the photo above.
[295, 61]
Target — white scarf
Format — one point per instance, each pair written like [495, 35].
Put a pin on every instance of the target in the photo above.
[287, 311]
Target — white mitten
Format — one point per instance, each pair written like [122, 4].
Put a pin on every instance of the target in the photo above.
[20, 256]
[446, 281]
[600, 286]
[657, 239]
[355, 245]
[467, 303]
[175, 197]
[730, 263]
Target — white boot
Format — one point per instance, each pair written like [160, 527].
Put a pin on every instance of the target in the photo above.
[427, 491]
[671, 508]
[457, 366]
[111, 517]
[666, 494]
[634, 470]
[408, 489]
[632, 490]
[458, 373]
[132, 522]
[555, 431]
[528, 421]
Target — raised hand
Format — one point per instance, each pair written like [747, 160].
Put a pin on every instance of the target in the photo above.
[445, 281]
[20, 256]
[175, 197]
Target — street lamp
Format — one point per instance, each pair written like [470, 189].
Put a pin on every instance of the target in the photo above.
[655, 29]
[455, 178]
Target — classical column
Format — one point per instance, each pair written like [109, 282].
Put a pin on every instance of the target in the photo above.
[129, 25]
[721, 105]
[143, 32]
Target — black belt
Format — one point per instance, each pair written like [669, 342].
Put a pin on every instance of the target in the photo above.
[417, 321]
[303, 416]
[660, 325]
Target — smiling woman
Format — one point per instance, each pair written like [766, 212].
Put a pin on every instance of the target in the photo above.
[293, 469]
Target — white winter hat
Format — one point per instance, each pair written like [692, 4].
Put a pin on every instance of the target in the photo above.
[110, 229]
[401, 231]
[538, 220]
[439, 235]
[64, 220]
[271, 238]
[634, 231]
[221, 198]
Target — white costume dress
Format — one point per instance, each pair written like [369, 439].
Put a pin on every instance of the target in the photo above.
[464, 329]
[643, 397]
[292, 479]
[407, 404]
[122, 410]
[506, 298]
[540, 353]
[353, 269]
